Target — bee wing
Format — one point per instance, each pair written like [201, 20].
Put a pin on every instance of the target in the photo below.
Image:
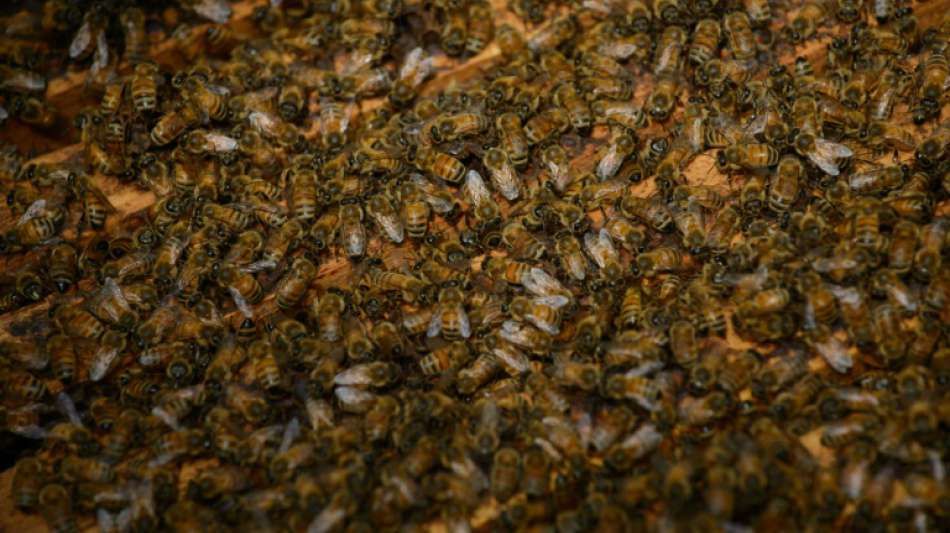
[827, 153]
[354, 238]
[511, 357]
[435, 324]
[101, 362]
[608, 165]
[112, 290]
[101, 58]
[835, 353]
[240, 303]
[355, 375]
[474, 188]
[35, 210]
[556, 301]
[544, 325]
[259, 266]
[595, 245]
[860, 180]
[417, 66]
[262, 122]
[65, 404]
[220, 142]
[465, 326]
[217, 11]
[3, 114]
[540, 283]
[81, 40]
[506, 181]
[391, 224]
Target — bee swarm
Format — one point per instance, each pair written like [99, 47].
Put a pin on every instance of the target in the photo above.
[405, 266]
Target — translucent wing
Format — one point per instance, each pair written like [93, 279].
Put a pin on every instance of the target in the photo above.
[110, 289]
[241, 303]
[435, 324]
[540, 283]
[102, 362]
[465, 326]
[835, 353]
[259, 266]
[3, 114]
[81, 40]
[65, 403]
[220, 143]
[417, 66]
[505, 179]
[610, 163]
[217, 11]
[291, 432]
[556, 301]
[512, 358]
[101, 58]
[475, 188]
[35, 210]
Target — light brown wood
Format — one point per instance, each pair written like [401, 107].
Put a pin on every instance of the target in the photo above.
[70, 93]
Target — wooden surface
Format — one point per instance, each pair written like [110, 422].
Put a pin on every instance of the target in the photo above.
[70, 94]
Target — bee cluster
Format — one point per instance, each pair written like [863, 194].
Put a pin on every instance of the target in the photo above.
[40, 42]
[546, 321]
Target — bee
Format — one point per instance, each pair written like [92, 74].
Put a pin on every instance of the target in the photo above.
[596, 87]
[513, 140]
[571, 257]
[748, 156]
[33, 110]
[450, 318]
[503, 175]
[661, 259]
[601, 249]
[650, 210]
[352, 231]
[668, 56]
[416, 67]
[705, 41]
[505, 473]
[546, 124]
[624, 114]
[143, 88]
[618, 149]
[173, 124]
[385, 216]
[76, 321]
[334, 123]
[739, 36]
[55, 506]
[439, 164]
[290, 289]
[454, 35]
[690, 222]
[63, 265]
[243, 284]
[27, 481]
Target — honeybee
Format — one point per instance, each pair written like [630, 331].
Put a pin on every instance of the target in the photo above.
[173, 124]
[650, 210]
[662, 259]
[668, 56]
[618, 149]
[450, 318]
[384, 215]
[416, 67]
[439, 164]
[596, 87]
[481, 27]
[748, 156]
[454, 35]
[334, 122]
[514, 142]
[290, 289]
[571, 257]
[55, 505]
[625, 114]
[601, 249]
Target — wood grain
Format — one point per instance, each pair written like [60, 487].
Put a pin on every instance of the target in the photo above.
[70, 94]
